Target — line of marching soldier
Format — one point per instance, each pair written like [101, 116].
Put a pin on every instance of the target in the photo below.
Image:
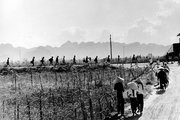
[74, 61]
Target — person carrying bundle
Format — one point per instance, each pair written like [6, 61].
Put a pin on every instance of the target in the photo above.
[119, 87]
[140, 95]
[162, 78]
[132, 94]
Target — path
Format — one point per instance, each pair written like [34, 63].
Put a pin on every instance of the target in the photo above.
[164, 106]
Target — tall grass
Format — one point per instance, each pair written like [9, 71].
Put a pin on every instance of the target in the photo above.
[80, 94]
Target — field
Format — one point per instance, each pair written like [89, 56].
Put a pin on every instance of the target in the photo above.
[64, 92]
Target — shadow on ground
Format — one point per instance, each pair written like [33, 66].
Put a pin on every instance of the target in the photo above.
[133, 117]
[160, 92]
[115, 117]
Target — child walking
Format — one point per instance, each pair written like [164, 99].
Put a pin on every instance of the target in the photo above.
[132, 94]
[140, 95]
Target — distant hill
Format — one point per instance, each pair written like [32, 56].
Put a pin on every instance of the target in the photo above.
[69, 49]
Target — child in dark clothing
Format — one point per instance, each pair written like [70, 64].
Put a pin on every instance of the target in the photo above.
[140, 96]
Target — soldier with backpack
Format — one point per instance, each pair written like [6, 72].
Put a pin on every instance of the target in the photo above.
[32, 61]
[42, 61]
[51, 60]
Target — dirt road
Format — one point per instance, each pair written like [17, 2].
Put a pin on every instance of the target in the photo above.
[164, 106]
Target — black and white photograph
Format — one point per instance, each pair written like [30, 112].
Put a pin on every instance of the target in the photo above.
[89, 59]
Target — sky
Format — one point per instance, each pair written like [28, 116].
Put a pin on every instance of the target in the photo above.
[31, 23]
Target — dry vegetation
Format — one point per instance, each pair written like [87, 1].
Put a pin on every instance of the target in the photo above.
[63, 93]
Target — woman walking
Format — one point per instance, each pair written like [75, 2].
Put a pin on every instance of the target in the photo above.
[118, 86]
[140, 95]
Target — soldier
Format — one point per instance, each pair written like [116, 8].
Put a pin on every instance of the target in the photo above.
[64, 61]
[42, 61]
[7, 63]
[96, 60]
[134, 60]
[51, 60]
[118, 58]
[74, 59]
[87, 59]
[84, 60]
[108, 59]
[57, 60]
[32, 61]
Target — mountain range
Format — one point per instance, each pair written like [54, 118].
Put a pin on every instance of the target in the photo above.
[81, 50]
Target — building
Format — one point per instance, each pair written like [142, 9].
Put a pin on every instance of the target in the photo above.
[174, 51]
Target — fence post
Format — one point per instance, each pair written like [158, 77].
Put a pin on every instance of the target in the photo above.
[61, 80]
[54, 107]
[56, 79]
[3, 108]
[40, 82]
[28, 107]
[100, 109]
[31, 79]
[17, 111]
[84, 80]
[40, 106]
[91, 109]
[15, 80]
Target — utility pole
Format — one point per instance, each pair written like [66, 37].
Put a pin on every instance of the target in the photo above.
[179, 48]
[19, 53]
[110, 47]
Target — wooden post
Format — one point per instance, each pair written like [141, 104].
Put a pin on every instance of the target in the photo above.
[110, 47]
[15, 81]
[40, 82]
[56, 79]
[75, 113]
[28, 108]
[40, 106]
[91, 109]
[84, 80]
[54, 107]
[17, 111]
[100, 109]
[3, 108]
[31, 79]
[61, 80]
